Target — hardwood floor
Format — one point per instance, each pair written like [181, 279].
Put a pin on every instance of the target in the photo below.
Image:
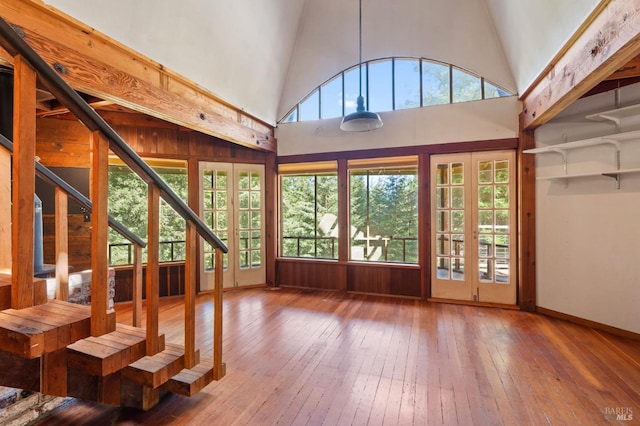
[302, 357]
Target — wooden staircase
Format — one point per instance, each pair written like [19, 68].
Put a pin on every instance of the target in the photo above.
[48, 348]
[62, 349]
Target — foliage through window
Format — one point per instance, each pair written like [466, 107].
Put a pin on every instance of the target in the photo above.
[392, 84]
[383, 214]
[309, 211]
[128, 204]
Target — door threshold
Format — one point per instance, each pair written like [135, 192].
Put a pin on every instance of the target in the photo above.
[473, 303]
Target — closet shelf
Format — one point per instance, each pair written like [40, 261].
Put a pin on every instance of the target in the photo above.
[608, 173]
[615, 174]
[615, 115]
[614, 139]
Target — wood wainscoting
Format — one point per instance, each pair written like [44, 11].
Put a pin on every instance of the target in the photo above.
[358, 277]
[171, 279]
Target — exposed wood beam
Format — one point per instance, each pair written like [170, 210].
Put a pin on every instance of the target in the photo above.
[60, 110]
[609, 42]
[629, 70]
[98, 65]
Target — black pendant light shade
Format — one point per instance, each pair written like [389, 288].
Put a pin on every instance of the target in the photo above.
[361, 120]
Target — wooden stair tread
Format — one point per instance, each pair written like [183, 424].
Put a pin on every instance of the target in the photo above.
[155, 370]
[32, 331]
[39, 291]
[5, 291]
[189, 382]
[106, 354]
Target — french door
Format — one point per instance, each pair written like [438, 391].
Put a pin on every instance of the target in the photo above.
[473, 227]
[232, 205]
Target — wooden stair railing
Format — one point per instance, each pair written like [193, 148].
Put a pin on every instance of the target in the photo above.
[63, 192]
[28, 66]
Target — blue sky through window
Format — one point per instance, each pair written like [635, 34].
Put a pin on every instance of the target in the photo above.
[392, 84]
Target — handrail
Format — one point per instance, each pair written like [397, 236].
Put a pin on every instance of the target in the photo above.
[15, 45]
[55, 180]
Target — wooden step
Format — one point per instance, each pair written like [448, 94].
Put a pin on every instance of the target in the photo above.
[109, 353]
[155, 370]
[36, 330]
[189, 382]
[94, 363]
[142, 381]
[39, 291]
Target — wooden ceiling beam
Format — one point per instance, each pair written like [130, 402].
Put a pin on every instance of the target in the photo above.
[606, 45]
[60, 110]
[95, 64]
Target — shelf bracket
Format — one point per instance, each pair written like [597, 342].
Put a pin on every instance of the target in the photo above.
[615, 176]
[616, 120]
[564, 158]
[616, 145]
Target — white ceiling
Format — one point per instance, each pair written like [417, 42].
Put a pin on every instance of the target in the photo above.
[265, 55]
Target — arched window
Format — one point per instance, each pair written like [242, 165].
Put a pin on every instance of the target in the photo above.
[393, 83]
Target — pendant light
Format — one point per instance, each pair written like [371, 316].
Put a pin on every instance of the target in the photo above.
[361, 120]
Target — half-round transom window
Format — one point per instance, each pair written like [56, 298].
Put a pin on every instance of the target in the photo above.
[393, 83]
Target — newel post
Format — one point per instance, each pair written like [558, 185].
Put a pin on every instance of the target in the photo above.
[24, 184]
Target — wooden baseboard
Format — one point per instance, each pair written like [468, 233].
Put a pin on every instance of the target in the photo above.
[588, 323]
[472, 303]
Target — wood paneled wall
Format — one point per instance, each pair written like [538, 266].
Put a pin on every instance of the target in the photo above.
[374, 278]
[62, 142]
[79, 241]
[171, 281]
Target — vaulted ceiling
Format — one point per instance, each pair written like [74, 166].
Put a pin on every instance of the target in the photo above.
[265, 55]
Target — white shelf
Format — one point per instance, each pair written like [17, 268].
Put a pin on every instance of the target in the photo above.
[615, 115]
[615, 174]
[614, 139]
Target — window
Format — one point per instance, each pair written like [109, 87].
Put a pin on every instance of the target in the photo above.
[392, 84]
[406, 83]
[331, 96]
[128, 204]
[466, 87]
[380, 93]
[383, 215]
[310, 108]
[351, 89]
[309, 210]
[435, 84]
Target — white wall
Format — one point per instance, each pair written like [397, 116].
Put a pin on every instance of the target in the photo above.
[466, 121]
[532, 32]
[588, 233]
[455, 31]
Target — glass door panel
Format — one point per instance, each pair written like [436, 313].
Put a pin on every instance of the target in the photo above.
[449, 199]
[250, 268]
[215, 210]
[232, 205]
[494, 184]
[473, 226]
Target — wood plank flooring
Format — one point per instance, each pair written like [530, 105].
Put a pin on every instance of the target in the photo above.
[298, 357]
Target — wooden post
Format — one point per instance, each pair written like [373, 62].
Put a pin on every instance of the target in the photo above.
[424, 224]
[219, 368]
[153, 271]
[190, 297]
[5, 213]
[526, 223]
[137, 285]
[62, 245]
[99, 234]
[23, 208]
